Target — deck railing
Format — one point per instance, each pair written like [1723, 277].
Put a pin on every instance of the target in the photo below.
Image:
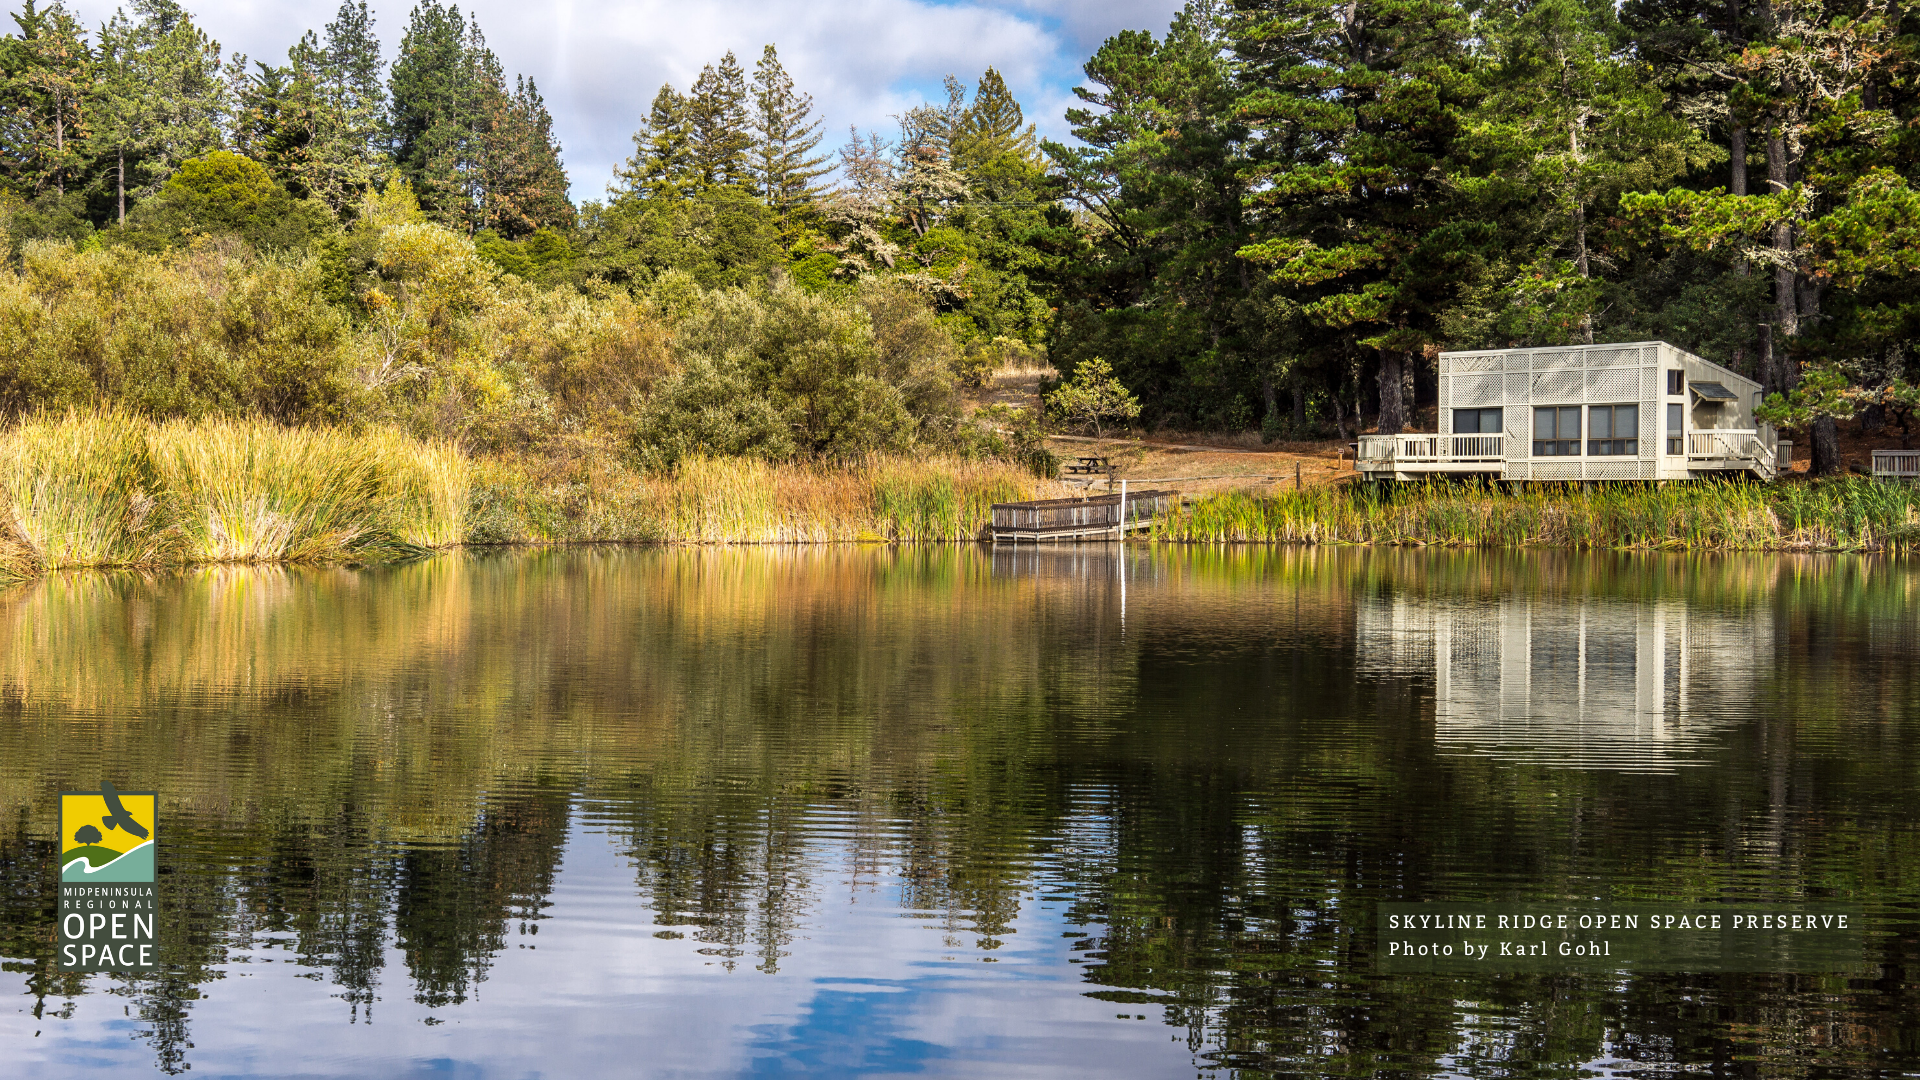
[1897, 464]
[1725, 443]
[1432, 447]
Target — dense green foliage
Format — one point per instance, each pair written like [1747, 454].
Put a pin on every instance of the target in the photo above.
[1293, 198]
[1275, 216]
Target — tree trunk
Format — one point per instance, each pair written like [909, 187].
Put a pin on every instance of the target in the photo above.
[1826, 448]
[120, 185]
[1786, 317]
[1737, 160]
[1873, 419]
[1393, 415]
[1737, 177]
[1299, 408]
[1764, 362]
[59, 150]
[1580, 262]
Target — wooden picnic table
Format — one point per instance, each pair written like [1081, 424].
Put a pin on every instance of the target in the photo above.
[1089, 466]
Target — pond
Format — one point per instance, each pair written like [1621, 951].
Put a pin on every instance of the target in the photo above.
[954, 811]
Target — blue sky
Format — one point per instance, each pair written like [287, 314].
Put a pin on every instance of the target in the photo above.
[599, 62]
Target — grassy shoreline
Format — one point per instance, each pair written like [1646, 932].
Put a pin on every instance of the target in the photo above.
[1850, 514]
[110, 490]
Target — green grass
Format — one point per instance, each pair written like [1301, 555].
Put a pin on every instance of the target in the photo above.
[1850, 514]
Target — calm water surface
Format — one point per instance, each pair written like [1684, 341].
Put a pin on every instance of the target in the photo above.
[952, 812]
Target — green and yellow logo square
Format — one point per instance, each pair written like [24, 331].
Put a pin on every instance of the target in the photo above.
[107, 835]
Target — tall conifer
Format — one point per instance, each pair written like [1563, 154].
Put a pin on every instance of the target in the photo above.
[662, 161]
[786, 134]
[719, 125]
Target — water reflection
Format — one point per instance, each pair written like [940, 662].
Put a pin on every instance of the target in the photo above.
[1573, 682]
[953, 811]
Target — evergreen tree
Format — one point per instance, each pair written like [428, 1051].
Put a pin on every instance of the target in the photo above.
[719, 126]
[1155, 286]
[662, 161]
[357, 72]
[48, 74]
[161, 99]
[992, 127]
[1357, 114]
[432, 113]
[526, 185]
[786, 134]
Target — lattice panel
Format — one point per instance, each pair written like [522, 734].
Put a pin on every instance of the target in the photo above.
[1650, 384]
[1519, 423]
[1616, 385]
[1446, 398]
[1557, 386]
[1519, 387]
[1649, 434]
[1558, 359]
[1613, 470]
[1556, 470]
[1475, 362]
[1612, 357]
[1474, 390]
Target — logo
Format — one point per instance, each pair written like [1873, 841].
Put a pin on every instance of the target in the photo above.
[108, 899]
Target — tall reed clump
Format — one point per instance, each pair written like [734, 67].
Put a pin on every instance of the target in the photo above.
[1847, 514]
[107, 489]
[82, 491]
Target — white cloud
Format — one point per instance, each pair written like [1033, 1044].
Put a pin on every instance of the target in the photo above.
[599, 62]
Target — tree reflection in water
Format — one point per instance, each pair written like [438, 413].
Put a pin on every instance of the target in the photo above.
[1218, 761]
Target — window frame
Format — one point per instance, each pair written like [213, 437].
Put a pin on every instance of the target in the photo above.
[1554, 445]
[1676, 432]
[1480, 418]
[1676, 382]
[1612, 445]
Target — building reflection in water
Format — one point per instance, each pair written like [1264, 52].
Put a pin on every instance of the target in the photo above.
[1581, 682]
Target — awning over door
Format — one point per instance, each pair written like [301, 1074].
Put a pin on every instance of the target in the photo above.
[1711, 391]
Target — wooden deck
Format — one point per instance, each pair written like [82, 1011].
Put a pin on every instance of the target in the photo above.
[1098, 517]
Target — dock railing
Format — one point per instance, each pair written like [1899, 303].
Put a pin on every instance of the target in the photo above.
[1897, 464]
[1066, 519]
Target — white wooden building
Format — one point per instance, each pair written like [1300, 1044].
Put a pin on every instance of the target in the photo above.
[1636, 411]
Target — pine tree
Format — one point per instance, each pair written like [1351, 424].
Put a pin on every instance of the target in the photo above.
[1578, 124]
[1359, 110]
[356, 73]
[991, 127]
[432, 113]
[48, 76]
[161, 99]
[662, 161]
[526, 185]
[785, 167]
[718, 122]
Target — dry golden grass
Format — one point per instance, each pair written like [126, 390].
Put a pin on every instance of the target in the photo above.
[109, 489]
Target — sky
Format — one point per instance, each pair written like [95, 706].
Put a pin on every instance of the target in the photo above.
[599, 63]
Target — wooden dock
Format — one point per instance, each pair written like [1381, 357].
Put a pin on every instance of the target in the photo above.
[1097, 517]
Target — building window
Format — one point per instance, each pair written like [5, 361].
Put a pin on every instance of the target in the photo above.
[1476, 421]
[1556, 432]
[1676, 383]
[1676, 429]
[1614, 429]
